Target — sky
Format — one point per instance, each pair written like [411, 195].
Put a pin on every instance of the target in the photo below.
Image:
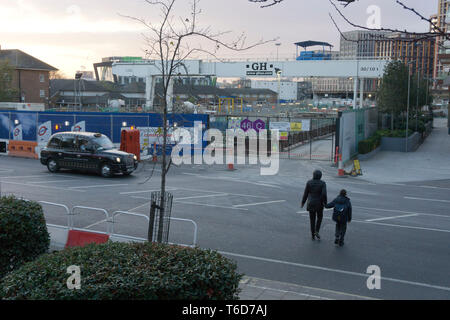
[71, 35]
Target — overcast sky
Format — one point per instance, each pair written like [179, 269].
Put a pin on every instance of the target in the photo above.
[73, 34]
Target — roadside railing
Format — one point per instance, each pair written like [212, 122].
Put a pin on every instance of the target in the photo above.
[110, 219]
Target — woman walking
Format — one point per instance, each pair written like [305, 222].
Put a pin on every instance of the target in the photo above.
[316, 194]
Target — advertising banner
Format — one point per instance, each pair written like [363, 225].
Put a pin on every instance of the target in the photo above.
[18, 133]
[44, 132]
[282, 126]
[304, 125]
[79, 127]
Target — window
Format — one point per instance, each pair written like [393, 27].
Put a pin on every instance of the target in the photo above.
[42, 93]
[83, 144]
[54, 143]
[42, 78]
[68, 143]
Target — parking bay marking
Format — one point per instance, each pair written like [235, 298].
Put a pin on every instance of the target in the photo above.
[257, 203]
[400, 211]
[424, 199]
[395, 217]
[209, 205]
[390, 225]
[364, 275]
[36, 185]
[100, 186]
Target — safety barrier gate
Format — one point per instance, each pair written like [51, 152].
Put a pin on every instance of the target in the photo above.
[110, 220]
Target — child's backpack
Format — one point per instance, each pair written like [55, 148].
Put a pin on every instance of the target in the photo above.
[340, 212]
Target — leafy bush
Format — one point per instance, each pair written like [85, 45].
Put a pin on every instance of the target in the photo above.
[131, 271]
[393, 133]
[370, 144]
[23, 233]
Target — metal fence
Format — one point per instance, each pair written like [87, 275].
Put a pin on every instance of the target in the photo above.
[315, 142]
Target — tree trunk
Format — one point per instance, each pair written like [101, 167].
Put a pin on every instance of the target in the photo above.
[392, 120]
[163, 172]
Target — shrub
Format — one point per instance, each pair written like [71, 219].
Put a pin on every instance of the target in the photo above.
[393, 133]
[368, 145]
[23, 233]
[131, 271]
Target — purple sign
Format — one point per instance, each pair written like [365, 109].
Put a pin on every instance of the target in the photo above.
[256, 125]
[246, 125]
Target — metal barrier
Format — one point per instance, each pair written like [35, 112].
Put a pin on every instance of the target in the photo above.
[108, 220]
[194, 243]
[195, 229]
[130, 214]
[69, 216]
[111, 222]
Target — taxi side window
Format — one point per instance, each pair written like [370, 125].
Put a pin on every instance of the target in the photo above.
[68, 143]
[55, 143]
[83, 144]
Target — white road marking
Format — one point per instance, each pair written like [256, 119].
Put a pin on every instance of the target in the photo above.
[395, 217]
[94, 224]
[233, 180]
[390, 225]
[414, 186]
[362, 192]
[147, 191]
[400, 211]
[142, 205]
[208, 205]
[36, 185]
[35, 176]
[233, 194]
[306, 287]
[100, 186]
[52, 181]
[306, 266]
[350, 182]
[402, 226]
[257, 203]
[424, 199]
[291, 292]
[207, 196]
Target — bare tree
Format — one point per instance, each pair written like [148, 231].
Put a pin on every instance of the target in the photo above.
[438, 31]
[269, 3]
[169, 42]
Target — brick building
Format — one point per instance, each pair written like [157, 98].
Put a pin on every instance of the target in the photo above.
[31, 76]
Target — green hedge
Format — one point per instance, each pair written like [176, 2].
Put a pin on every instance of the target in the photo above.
[23, 233]
[129, 271]
[368, 145]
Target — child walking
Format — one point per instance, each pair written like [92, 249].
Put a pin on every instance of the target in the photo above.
[342, 214]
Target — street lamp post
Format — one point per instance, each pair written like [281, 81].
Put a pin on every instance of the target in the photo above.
[279, 89]
[417, 102]
[278, 44]
[407, 107]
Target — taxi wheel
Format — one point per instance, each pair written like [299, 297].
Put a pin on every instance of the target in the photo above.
[106, 171]
[52, 166]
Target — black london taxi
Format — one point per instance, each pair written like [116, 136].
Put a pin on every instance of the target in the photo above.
[86, 151]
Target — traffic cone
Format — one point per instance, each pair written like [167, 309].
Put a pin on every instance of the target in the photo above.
[341, 171]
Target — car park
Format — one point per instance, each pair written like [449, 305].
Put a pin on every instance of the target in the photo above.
[86, 151]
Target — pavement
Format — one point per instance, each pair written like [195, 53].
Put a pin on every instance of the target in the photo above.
[262, 289]
[401, 224]
[429, 162]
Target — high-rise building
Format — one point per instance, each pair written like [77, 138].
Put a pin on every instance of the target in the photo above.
[398, 46]
[359, 44]
[441, 20]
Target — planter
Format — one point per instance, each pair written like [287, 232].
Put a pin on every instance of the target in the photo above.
[399, 144]
[369, 155]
